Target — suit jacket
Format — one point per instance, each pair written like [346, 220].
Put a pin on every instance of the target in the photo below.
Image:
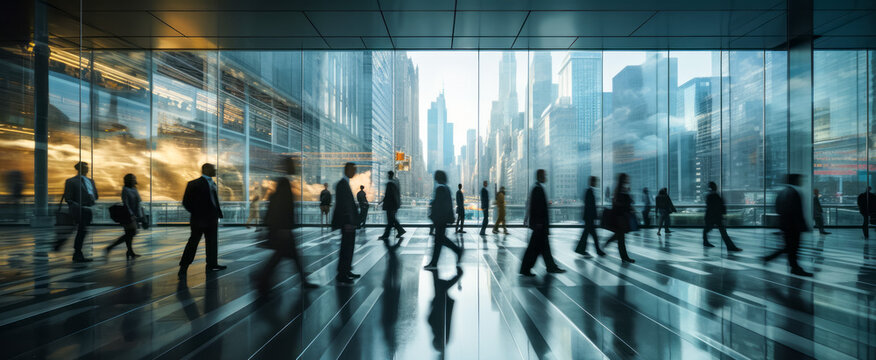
[346, 211]
[202, 202]
[392, 197]
[76, 193]
[867, 203]
[442, 206]
[538, 209]
[460, 202]
[281, 211]
[485, 198]
[715, 208]
[589, 205]
[362, 199]
[789, 206]
[325, 197]
[816, 206]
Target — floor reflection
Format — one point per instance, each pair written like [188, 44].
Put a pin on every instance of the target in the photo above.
[441, 312]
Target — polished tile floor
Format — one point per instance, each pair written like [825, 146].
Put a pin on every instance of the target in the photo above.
[678, 300]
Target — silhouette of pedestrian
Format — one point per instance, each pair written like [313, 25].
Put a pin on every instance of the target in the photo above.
[620, 218]
[81, 195]
[538, 219]
[818, 212]
[589, 217]
[442, 214]
[131, 201]
[345, 218]
[715, 210]
[789, 206]
[664, 209]
[201, 199]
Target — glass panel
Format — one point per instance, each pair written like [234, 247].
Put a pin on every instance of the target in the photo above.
[16, 134]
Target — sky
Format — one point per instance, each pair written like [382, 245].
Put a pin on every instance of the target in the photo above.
[469, 78]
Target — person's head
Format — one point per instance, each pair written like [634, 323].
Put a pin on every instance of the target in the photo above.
[663, 191]
[130, 180]
[793, 179]
[325, 186]
[441, 177]
[622, 180]
[713, 186]
[485, 183]
[644, 190]
[540, 176]
[815, 191]
[502, 189]
[283, 186]
[362, 187]
[81, 167]
[390, 174]
[208, 169]
[869, 189]
[459, 186]
[349, 170]
[594, 181]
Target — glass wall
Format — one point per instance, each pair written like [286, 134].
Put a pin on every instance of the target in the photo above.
[670, 119]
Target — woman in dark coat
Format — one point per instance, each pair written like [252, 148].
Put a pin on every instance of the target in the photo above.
[664, 208]
[622, 214]
[131, 200]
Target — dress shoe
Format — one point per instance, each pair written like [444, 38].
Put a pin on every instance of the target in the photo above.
[735, 249]
[131, 255]
[495, 231]
[825, 233]
[216, 267]
[343, 280]
[600, 252]
[81, 259]
[583, 253]
[353, 275]
[526, 273]
[628, 260]
[430, 267]
[556, 271]
[668, 232]
[309, 285]
[708, 244]
[801, 272]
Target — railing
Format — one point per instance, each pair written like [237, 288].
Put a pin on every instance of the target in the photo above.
[236, 212]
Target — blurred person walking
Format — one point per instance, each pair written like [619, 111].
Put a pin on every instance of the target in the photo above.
[441, 214]
[362, 198]
[538, 219]
[500, 211]
[325, 204]
[255, 197]
[715, 210]
[789, 206]
[620, 219]
[646, 211]
[485, 208]
[460, 210]
[81, 195]
[589, 217]
[391, 203]
[867, 208]
[280, 221]
[818, 212]
[664, 209]
[131, 203]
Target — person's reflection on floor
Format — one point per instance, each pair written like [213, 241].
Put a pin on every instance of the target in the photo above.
[722, 283]
[391, 298]
[796, 296]
[624, 323]
[441, 313]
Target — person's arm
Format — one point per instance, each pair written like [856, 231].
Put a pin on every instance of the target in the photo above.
[187, 197]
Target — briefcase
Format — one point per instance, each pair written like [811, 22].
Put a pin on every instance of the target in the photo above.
[62, 215]
[119, 213]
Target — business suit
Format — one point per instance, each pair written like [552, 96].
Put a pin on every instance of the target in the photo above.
[391, 204]
[280, 220]
[80, 193]
[201, 199]
[715, 211]
[589, 217]
[818, 214]
[345, 218]
[539, 221]
[442, 214]
[485, 205]
[622, 210]
[363, 207]
[131, 200]
[664, 208]
[789, 206]
[460, 211]
[867, 208]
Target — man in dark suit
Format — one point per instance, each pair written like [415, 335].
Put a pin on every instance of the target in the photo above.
[715, 211]
[867, 208]
[80, 194]
[460, 210]
[818, 212]
[789, 206]
[363, 206]
[391, 203]
[201, 199]
[441, 214]
[539, 221]
[485, 206]
[589, 220]
[345, 218]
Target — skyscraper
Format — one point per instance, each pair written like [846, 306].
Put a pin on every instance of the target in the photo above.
[437, 132]
[407, 124]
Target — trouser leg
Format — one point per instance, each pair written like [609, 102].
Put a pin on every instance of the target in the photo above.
[191, 246]
[622, 246]
[531, 254]
[792, 244]
[345, 260]
[726, 237]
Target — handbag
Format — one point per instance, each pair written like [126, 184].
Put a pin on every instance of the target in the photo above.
[146, 220]
[633, 221]
[62, 214]
[119, 213]
[607, 221]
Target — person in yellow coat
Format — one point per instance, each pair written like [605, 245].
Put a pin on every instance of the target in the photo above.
[500, 208]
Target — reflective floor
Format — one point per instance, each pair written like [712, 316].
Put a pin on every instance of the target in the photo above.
[678, 300]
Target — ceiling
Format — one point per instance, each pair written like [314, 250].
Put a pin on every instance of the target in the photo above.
[451, 24]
